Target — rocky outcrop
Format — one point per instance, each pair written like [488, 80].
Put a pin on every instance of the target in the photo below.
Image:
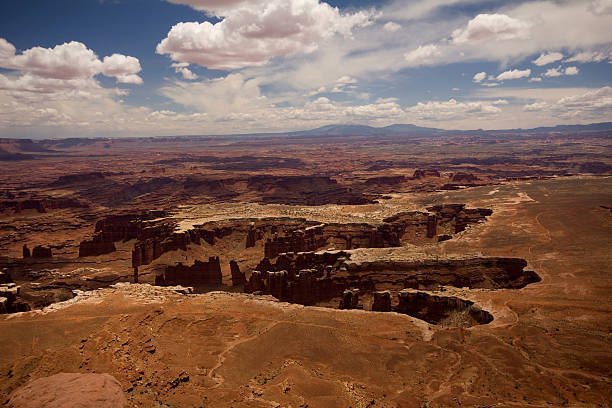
[424, 173]
[486, 273]
[26, 252]
[290, 280]
[464, 178]
[382, 301]
[409, 227]
[116, 228]
[350, 299]
[238, 277]
[445, 310]
[149, 249]
[91, 177]
[41, 205]
[41, 252]
[9, 299]
[70, 390]
[199, 274]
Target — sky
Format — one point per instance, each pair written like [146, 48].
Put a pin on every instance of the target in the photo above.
[120, 68]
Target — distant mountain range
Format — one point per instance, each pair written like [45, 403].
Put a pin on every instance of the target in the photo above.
[363, 130]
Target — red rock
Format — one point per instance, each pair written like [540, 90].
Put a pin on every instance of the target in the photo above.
[70, 391]
[382, 301]
[200, 273]
[238, 277]
[42, 252]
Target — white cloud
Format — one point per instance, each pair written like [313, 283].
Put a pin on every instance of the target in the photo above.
[392, 27]
[124, 68]
[69, 61]
[451, 109]
[594, 104]
[553, 72]
[479, 77]
[535, 107]
[423, 55]
[183, 69]
[572, 71]
[535, 79]
[343, 83]
[514, 74]
[601, 6]
[589, 56]
[50, 88]
[517, 31]
[251, 33]
[491, 27]
[7, 50]
[548, 58]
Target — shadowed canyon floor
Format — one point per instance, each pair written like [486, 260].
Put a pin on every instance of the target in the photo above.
[547, 345]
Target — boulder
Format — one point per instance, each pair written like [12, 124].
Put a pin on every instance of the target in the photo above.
[70, 391]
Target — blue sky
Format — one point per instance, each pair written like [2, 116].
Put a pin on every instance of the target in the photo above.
[171, 67]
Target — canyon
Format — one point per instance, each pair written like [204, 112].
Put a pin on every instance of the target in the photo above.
[393, 271]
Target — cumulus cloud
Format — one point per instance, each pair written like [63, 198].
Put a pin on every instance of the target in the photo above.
[535, 79]
[69, 61]
[479, 77]
[251, 33]
[548, 58]
[553, 72]
[423, 55]
[122, 67]
[452, 109]
[514, 74]
[572, 71]
[57, 87]
[183, 69]
[392, 27]
[491, 27]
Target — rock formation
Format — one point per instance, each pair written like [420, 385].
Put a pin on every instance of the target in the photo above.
[382, 301]
[41, 205]
[464, 178]
[41, 252]
[9, 299]
[487, 273]
[350, 299]
[441, 309]
[420, 174]
[238, 277]
[409, 227]
[200, 273]
[26, 252]
[70, 390]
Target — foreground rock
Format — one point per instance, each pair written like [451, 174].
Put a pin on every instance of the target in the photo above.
[70, 391]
